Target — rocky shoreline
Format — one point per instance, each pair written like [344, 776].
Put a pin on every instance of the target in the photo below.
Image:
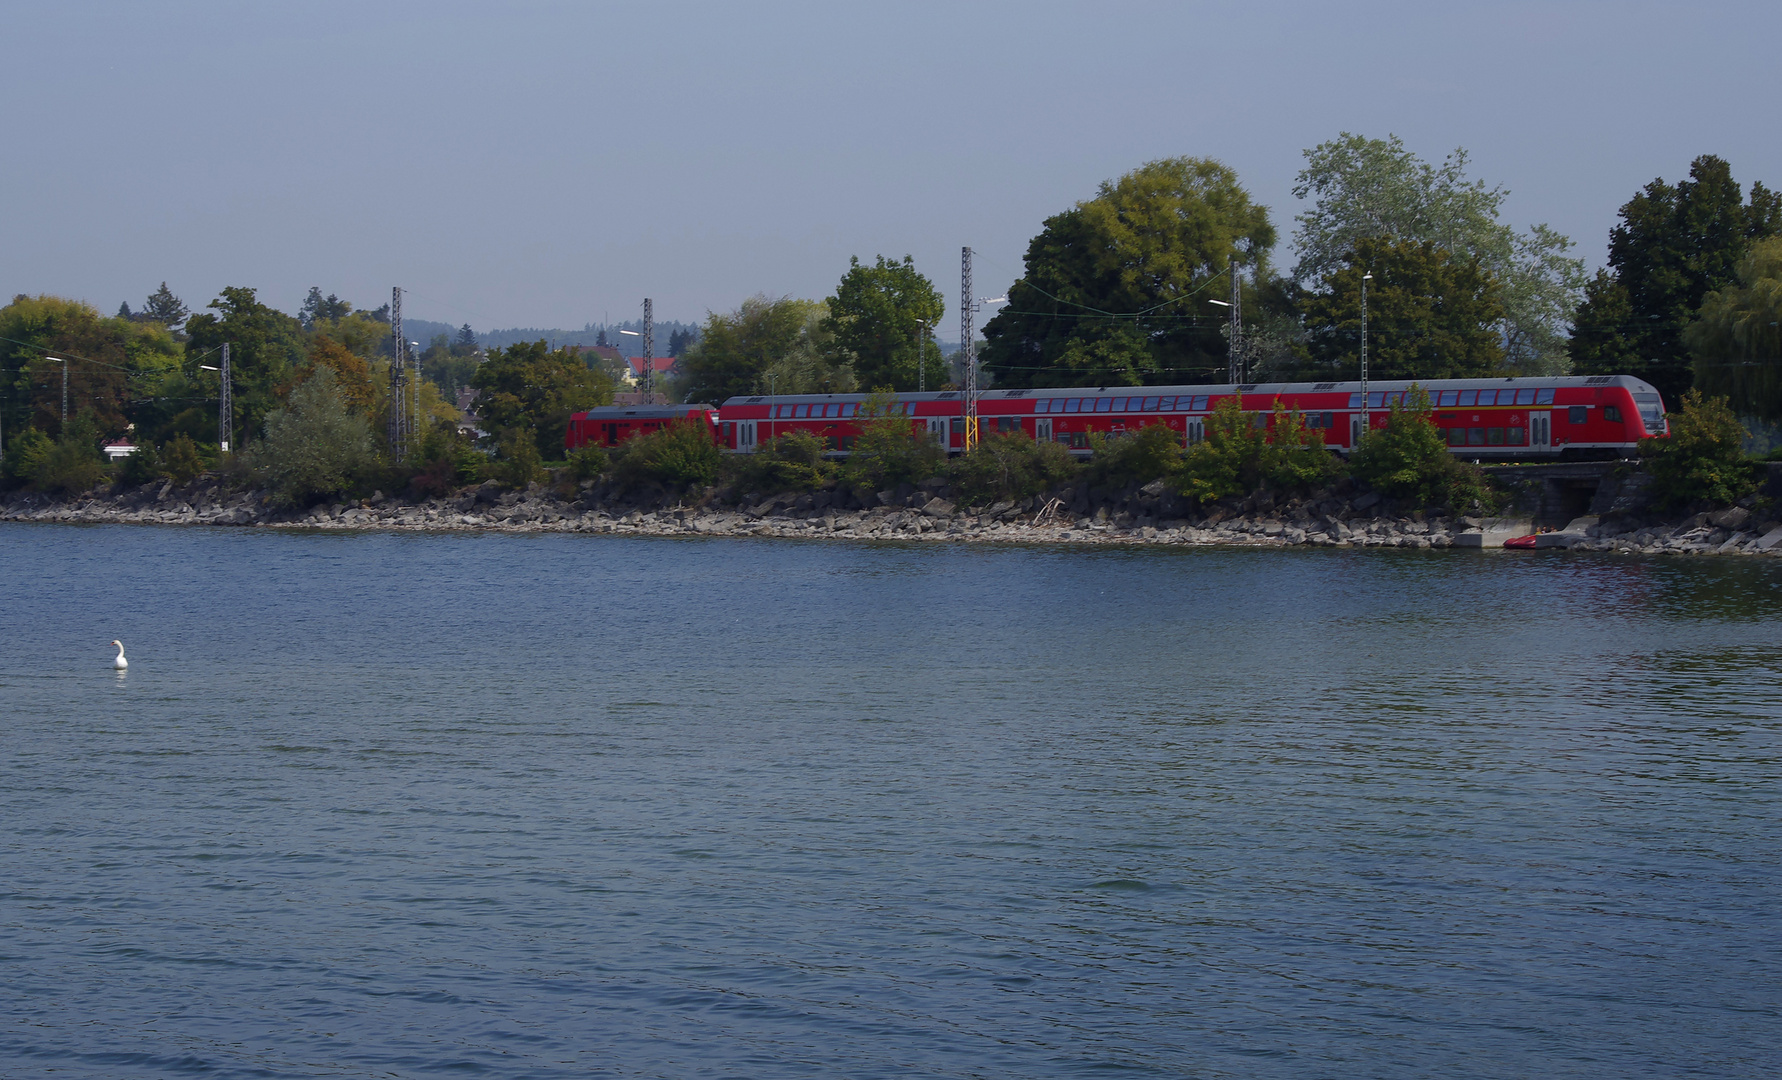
[1146, 515]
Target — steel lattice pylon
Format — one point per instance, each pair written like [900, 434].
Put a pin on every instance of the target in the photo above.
[968, 309]
[398, 389]
[225, 404]
[649, 356]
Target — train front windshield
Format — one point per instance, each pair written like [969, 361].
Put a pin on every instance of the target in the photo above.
[1651, 412]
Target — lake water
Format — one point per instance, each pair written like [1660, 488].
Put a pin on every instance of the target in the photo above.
[565, 806]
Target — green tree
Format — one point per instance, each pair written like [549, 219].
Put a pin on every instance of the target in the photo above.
[1702, 460]
[1111, 286]
[266, 347]
[25, 455]
[881, 321]
[1376, 189]
[73, 463]
[1408, 458]
[113, 363]
[1227, 460]
[1736, 338]
[1152, 452]
[315, 445]
[680, 453]
[528, 385]
[1675, 244]
[766, 345]
[318, 308]
[1430, 315]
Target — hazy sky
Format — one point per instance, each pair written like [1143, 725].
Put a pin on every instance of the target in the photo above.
[548, 164]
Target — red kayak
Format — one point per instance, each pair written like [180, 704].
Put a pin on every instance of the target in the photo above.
[1523, 542]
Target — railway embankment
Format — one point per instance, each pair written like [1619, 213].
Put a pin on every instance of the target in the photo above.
[1338, 517]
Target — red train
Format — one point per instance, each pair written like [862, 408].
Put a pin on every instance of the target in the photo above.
[1572, 416]
[611, 425]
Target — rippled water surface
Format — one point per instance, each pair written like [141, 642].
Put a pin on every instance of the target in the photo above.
[378, 805]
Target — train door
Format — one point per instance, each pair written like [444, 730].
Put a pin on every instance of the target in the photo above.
[1197, 429]
[1354, 431]
[956, 441]
[937, 429]
[1540, 430]
[745, 436]
[1042, 430]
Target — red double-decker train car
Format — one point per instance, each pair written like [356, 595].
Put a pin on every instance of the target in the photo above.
[1596, 416]
[610, 425]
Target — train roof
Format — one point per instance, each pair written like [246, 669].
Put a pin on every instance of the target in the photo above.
[1352, 386]
[644, 412]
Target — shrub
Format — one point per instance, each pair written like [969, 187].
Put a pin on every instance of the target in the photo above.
[1703, 458]
[443, 460]
[315, 445]
[889, 451]
[680, 453]
[1409, 459]
[1138, 457]
[517, 460]
[73, 463]
[795, 461]
[142, 467]
[25, 455]
[1011, 466]
[181, 459]
[1226, 462]
[588, 463]
[1294, 458]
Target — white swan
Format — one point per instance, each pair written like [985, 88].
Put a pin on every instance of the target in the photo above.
[120, 663]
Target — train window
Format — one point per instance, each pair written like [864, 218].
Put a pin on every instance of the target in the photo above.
[1456, 436]
[1101, 404]
[1612, 414]
[1376, 399]
[1073, 404]
[1494, 436]
[1327, 420]
[1525, 396]
[831, 411]
[1354, 401]
[1396, 398]
[1518, 436]
[1200, 403]
[850, 408]
[1468, 397]
[1544, 396]
[1447, 400]
[1259, 420]
[1008, 423]
[1151, 404]
[801, 412]
[1475, 436]
[1576, 414]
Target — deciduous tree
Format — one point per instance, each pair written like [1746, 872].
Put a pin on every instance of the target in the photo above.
[1111, 285]
[766, 344]
[1376, 189]
[880, 321]
[1736, 338]
[266, 347]
[1675, 244]
[527, 385]
[1431, 315]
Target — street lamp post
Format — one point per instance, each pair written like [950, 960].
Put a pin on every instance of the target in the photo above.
[64, 363]
[1367, 412]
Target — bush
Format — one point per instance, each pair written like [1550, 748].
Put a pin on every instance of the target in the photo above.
[26, 454]
[74, 462]
[1138, 457]
[1228, 460]
[1409, 459]
[142, 467]
[680, 453]
[315, 445]
[588, 463]
[443, 460]
[1703, 458]
[795, 461]
[517, 460]
[181, 459]
[1294, 458]
[1011, 466]
[889, 451]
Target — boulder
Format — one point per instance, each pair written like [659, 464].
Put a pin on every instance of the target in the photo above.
[1768, 540]
[1730, 518]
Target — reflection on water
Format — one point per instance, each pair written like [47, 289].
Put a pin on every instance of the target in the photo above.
[570, 806]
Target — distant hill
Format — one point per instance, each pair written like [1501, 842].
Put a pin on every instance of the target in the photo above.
[424, 330]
